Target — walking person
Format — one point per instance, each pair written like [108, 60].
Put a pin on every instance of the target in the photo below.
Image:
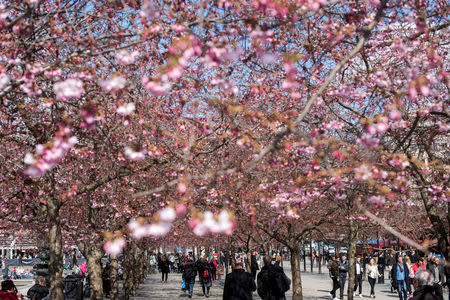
[359, 270]
[372, 275]
[438, 271]
[334, 275]
[189, 274]
[164, 267]
[239, 284]
[411, 275]
[213, 269]
[272, 281]
[254, 265]
[400, 277]
[204, 272]
[381, 267]
[343, 270]
[74, 259]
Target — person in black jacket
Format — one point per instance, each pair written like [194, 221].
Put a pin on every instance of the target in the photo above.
[272, 282]
[106, 279]
[204, 272]
[239, 284]
[189, 274]
[254, 265]
[39, 290]
[164, 267]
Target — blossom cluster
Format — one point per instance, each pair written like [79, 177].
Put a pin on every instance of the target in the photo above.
[180, 53]
[50, 154]
[69, 88]
[4, 81]
[115, 246]
[210, 223]
[140, 229]
[90, 115]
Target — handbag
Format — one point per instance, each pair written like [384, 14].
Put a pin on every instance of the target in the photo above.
[183, 284]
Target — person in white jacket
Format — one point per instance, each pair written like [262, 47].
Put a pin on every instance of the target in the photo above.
[372, 275]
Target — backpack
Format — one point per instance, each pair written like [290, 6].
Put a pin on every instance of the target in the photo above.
[280, 282]
[205, 273]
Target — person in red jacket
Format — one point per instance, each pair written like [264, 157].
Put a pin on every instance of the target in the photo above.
[415, 267]
[9, 291]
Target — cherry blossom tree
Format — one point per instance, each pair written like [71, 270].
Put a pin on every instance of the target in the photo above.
[134, 118]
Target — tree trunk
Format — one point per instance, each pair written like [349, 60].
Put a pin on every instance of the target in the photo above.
[249, 255]
[352, 240]
[233, 259]
[141, 264]
[311, 254]
[94, 266]
[304, 257]
[319, 255]
[296, 274]
[127, 271]
[55, 266]
[114, 277]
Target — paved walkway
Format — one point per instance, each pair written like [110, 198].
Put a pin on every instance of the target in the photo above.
[315, 286]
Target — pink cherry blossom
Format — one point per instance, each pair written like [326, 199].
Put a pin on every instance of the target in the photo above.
[363, 172]
[115, 246]
[4, 81]
[134, 155]
[47, 156]
[395, 115]
[70, 88]
[126, 58]
[224, 84]
[181, 187]
[90, 115]
[264, 36]
[268, 58]
[177, 28]
[126, 109]
[209, 224]
[156, 88]
[167, 214]
[381, 127]
[369, 141]
[113, 84]
[149, 10]
[377, 200]
[158, 229]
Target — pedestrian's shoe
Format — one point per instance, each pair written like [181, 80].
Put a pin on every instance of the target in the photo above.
[190, 296]
[331, 296]
[336, 298]
[360, 296]
[207, 295]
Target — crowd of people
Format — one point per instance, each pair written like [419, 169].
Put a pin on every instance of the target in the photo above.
[271, 282]
[410, 275]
